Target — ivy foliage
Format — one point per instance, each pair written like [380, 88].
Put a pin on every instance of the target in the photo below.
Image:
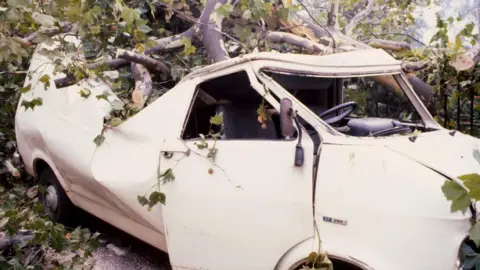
[462, 195]
[105, 26]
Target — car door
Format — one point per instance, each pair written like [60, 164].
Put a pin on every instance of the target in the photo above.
[125, 165]
[248, 206]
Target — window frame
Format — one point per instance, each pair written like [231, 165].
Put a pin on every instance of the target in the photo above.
[420, 121]
[255, 85]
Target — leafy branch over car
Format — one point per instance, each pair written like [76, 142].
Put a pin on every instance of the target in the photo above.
[135, 128]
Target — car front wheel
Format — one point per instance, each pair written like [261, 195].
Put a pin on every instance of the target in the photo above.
[56, 203]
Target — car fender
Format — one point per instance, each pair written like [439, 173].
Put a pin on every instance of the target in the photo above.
[298, 253]
[40, 156]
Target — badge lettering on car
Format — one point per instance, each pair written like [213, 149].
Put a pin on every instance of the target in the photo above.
[335, 220]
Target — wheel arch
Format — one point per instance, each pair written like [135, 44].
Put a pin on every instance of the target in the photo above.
[41, 163]
[297, 254]
[39, 166]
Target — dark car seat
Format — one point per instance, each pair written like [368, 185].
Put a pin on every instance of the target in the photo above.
[240, 122]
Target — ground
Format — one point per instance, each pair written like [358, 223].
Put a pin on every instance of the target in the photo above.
[118, 250]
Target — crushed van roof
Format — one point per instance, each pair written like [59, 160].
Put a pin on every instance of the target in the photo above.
[359, 58]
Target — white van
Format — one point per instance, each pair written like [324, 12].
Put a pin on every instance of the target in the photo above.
[348, 153]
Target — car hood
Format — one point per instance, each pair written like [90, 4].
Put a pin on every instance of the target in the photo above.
[381, 202]
[448, 152]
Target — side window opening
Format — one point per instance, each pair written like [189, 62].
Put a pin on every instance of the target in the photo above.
[240, 104]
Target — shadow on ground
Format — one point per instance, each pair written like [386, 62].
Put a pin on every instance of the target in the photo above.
[119, 250]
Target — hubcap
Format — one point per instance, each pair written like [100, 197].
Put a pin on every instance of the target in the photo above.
[51, 200]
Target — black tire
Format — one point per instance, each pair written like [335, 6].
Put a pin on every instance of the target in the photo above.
[64, 210]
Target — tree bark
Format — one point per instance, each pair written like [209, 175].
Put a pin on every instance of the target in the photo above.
[163, 44]
[310, 46]
[30, 40]
[124, 57]
[143, 85]
[210, 30]
[410, 67]
[150, 63]
[389, 45]
[359, 17]
[7, 243]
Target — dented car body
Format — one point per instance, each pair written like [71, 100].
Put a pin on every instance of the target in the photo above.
[374, 197]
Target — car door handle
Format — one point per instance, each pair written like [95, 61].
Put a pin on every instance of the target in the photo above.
[167, 154]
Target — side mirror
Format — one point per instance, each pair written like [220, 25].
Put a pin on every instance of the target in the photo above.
[286, 117]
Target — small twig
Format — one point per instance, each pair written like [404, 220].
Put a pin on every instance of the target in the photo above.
[213, 163]
[183, 62]
[13, 72]
[289, 28]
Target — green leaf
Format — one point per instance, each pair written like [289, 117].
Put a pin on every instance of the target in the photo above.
[155, 198]
[212, 153]
[85, 93]
[469, 28]
[459, 196]
[99, 140]
[474, 233]
[115, 121]
[142, 200]
[144, 28]
[243, 33]
[129, 15]
[203, 143]
[472, 182]
[45, 79]
[188, 47]
[25, 89]
[225, 10]
[43, 19]
[458, 42]
[32, 104]
[217, 119]
[168, 175]
[38, 224]
[247, 14]
[102, 96]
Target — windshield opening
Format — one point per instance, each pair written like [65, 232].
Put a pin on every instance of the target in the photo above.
[373, 105]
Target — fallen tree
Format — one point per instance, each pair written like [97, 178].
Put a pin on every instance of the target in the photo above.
[159, 42]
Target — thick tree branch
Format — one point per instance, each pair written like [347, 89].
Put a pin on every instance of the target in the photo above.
[208, 28]
[410, 67]
[163, 44]
[359, 17]
[320, 31]
[471, 57]
[389, 45]
[123, 57]
[143, 85]
[7, 243]
[210, 31]
[332, 17]
[48, 32]
[150, 63]
[310, 46]
[65, 81]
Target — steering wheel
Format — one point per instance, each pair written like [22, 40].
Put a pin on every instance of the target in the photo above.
[391, 131]
[353, 106]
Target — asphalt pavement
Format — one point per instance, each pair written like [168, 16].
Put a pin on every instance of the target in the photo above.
[119, 250]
